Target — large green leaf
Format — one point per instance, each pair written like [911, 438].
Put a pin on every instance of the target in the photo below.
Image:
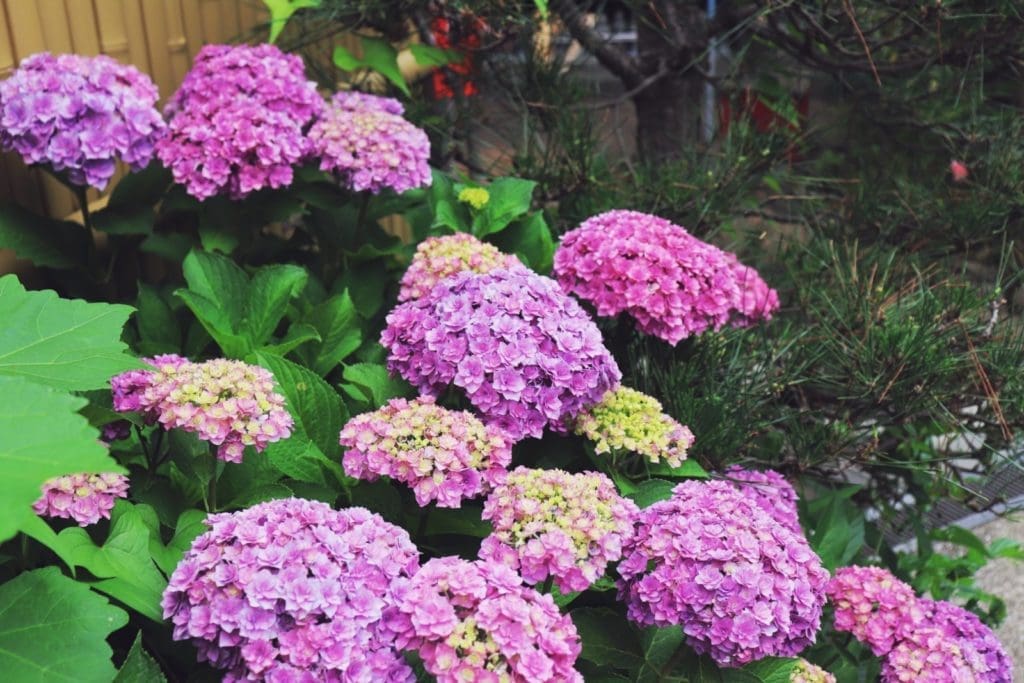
[530, 239]
[158, 327]
[138, 666]
[380, 56]
[337, 322]
[54, 629]
[605, 639]
[41, 436]
[372, 383]
[240, 314]
[281, 11]
[510, 198]
[66, 343]
[43, 241]
[122, 565]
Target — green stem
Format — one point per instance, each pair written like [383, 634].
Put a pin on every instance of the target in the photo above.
[673, 661]
[364, 209]
[90, 241]
[548, 582]
[211, 487]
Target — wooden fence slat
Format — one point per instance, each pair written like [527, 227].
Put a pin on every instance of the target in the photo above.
[81, 20]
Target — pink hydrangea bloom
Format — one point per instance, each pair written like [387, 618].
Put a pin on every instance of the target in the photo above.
[805, 672]
[476, 621]
[444, 455]
[710, 559]
[629, 420]
[872, 604]
[526, 355]
[227, 402]
[673, 284]
[84, 498]
[238, 121]
[771, 491]
[364, 140]
[79, 115]
[440, 257]
[557, 524]
[292, 590]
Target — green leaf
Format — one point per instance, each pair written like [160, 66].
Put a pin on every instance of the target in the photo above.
[190, 525]
[380, 56]
[530, 239]
[313, 404]
[462, 522]
[651, 491]
[510, 198]
[156, 322]
[605, 640]
[961, 537]
[43, 241]
[338, 324]
[129, 219]
[171, 247]
[138, 666]
[298, 458]
[281, 11]
[122, 564]
[428, 55]
[542, 8]
[769, 670]
[297, 335]
[54, 629]
[145, 187]
[659, 644]
[345, 60]
[375, 383]
[66, 343]
[41, 436]
[690, 469]
[269, 293]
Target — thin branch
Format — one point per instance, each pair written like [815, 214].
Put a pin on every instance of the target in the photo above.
[867, 50]
[612, 58]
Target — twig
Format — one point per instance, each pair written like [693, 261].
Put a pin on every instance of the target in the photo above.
[993, 307]
[986, 385]
[863, 41]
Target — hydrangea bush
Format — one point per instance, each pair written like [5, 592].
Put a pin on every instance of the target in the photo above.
[330, 454]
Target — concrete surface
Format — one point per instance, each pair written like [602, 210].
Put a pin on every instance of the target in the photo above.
[1005, 578]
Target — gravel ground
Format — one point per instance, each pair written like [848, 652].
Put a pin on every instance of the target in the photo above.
[1005, 578]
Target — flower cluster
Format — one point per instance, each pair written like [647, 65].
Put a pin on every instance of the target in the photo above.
[444, 455]
[920, 639]
[79, 115]
[550, 523]
[526, 354]
[476, 621]
[771, 492]
[291, 590]
[364, 140]
[628, 420]
[805, 672]
[710, 559]
[871, 604]
[227, 402]
[84, 498]
[238, 121]
[477, 197]
[671, 283]
[437, 258]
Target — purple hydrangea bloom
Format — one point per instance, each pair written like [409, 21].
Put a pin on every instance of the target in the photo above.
[292, 590]
[364, 140]
[673, 284]
[227, 402]
[79, 115]
[872, 604]
[773, 493]
[476, 621]
[710, 559]
[440, 257]
[557, 524]
[84, 498]
[444, 455]
[526, 354]
[238, 121]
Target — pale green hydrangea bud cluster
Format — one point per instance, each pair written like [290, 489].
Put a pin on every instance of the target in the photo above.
[629, 420]
[437, 258]
[805, 672]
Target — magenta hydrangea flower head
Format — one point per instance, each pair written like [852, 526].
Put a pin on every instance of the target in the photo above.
[550, 523]
[292, 590]
[437, 258]
[629, 420]
[526, 355]
[443, 455]
[805, 672]
[710, 559]
[85, 498]
[673, 284]
[239, 120]
[78, 115]
[872, 604]
[364, 140]
[476, 621]
[227, 402]
[773, 493]
[942, 642]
